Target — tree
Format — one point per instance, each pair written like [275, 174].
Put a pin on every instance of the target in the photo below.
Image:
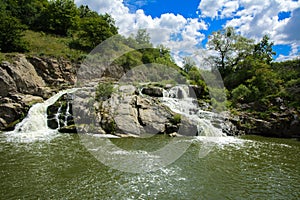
[59, 17]
[143, 38]
[230, 49]
[94, 29]
[188, 64]
[263, 50]
[11, 34]
[27, 11]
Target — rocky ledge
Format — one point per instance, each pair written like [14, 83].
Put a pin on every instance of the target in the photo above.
[25, 81]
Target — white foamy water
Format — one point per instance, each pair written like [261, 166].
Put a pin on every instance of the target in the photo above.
[34, 127]
[178, 100]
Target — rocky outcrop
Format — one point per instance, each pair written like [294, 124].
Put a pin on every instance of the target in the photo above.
[54, 72]
[125, 113]
[279, 124]
[24, 76]
[27, 80]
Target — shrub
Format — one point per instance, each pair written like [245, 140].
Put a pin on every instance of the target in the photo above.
[241, 94]
[104, 91]
[176, 119]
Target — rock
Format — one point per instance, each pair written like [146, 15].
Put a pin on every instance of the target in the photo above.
[68, 129]
[153, 91]
[196, 92]
[285, 124]
[126, 116]
[7, 83]
[127, 89]
[54, 71]
[26, 99]
[24, 75]
[10, 114]
[187, 127]
[174, 134]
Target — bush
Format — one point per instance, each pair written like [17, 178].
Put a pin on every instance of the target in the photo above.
[104, 91]
[11, 34]
[176, 119]
[241, 94]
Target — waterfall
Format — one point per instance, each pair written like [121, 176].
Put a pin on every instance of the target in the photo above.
[67, 114]
[57, 116]
[34, 125]
[180, 100]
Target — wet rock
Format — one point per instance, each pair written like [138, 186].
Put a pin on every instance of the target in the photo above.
[153, 91]
[68, 129]
[10, 114]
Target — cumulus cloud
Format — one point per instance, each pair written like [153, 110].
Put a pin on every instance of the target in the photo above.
[256, 18]
[292, 27]
[160, 28]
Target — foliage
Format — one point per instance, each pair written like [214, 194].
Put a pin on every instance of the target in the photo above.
[143, 38]
[59, 17]
[11, 34]
[263, 50]
[38, 43]
[241, 94]
[176, 119]
[94, 29]
[104, 91]
[230, 48]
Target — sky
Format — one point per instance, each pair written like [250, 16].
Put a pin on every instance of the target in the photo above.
[184, 25]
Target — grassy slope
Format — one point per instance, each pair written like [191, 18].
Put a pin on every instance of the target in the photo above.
[41, 44]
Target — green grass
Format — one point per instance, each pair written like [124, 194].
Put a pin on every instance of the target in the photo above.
[41, 44]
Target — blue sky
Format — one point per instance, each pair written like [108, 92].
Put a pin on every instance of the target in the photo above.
[184, 26]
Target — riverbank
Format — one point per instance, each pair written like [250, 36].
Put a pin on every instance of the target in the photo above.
[27, 80]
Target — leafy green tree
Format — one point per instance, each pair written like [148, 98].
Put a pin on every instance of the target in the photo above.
[263, 50]
[230, 47]
[143, 38]
[27, 11]
[188, 64]
[85, 11]
[241, 94]
[11, 34]
[59, 17]
[94, 29]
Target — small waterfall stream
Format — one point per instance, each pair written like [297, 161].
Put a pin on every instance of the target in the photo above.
[34, 126]
[180, 100]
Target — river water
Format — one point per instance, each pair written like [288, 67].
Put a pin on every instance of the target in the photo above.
[235, 168]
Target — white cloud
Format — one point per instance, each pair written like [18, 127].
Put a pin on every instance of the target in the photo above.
[160, 29]
[255, 18]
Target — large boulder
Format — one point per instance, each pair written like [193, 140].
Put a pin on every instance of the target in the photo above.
[24, 76]
[153, 91]
[10, 114]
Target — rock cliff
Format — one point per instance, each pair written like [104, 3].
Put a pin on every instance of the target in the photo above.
[28, 80]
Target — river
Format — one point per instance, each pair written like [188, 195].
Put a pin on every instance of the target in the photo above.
[61, 167]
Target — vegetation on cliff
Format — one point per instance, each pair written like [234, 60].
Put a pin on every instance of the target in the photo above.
[256, 86]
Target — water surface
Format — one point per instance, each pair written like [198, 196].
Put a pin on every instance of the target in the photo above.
[62, 168]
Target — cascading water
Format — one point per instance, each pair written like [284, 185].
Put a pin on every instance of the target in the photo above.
[179, 100]
[34, 126]
[57, 116]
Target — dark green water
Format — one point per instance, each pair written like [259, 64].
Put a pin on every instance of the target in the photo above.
[248, 168]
